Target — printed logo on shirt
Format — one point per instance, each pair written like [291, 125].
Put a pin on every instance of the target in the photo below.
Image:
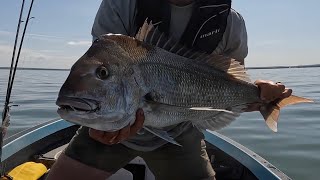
[210, 33]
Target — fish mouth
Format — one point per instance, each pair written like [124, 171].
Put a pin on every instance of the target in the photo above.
[77, 104]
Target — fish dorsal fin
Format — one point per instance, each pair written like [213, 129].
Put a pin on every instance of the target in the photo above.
[228, 65]
[151, 35]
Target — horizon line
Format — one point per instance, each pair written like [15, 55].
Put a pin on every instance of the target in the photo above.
[253, 67]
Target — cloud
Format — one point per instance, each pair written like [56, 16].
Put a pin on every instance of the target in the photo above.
[79, 43]
[50, 51]
[34, 58]
[34, 36]
[5, 51]
[5, 33]
[48, 38]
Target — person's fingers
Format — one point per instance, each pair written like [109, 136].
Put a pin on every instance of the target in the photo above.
[118, 136]
[138, 122]
[270, 91]
[103, 137]
[124, 133]
[95, 133]
[286, 93]
[280, 87]
[109, 137]
[260, 82]
[276, 91]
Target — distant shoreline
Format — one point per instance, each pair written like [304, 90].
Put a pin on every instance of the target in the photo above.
[268, 67]
[281, 67]
[48, 69]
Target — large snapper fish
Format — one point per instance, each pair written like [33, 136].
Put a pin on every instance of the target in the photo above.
[171, 83]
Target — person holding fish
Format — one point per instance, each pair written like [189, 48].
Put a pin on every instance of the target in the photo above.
[175, 149]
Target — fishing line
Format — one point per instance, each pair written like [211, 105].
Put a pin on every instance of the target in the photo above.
[6, 110]
[27, 44]
[6, 105]
[19, 51]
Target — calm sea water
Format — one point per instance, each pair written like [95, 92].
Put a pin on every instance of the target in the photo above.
[295, 149]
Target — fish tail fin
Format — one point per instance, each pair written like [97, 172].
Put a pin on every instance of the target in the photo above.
[271, 111]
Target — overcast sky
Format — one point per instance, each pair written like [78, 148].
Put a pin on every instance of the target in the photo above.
[282, 32]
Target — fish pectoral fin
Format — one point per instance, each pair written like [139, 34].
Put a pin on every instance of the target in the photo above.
[162, 134]
[219, 120]
[210, 109]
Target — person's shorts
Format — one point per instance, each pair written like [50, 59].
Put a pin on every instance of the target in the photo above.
[170, 161]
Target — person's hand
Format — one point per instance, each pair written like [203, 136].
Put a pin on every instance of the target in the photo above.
[110, 138]
[269, 92]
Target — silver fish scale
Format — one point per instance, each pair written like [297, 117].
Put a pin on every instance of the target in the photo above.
[191, 87]
[177, 83]
[178, 87]
[167, 116]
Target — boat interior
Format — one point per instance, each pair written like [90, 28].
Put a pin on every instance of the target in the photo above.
[44, 143]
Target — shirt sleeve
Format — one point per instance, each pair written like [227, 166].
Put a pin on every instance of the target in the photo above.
[114, 16]
[234, 42]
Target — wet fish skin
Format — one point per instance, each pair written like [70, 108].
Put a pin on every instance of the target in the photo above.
[115, 96]
[208, 90]
[174, 87]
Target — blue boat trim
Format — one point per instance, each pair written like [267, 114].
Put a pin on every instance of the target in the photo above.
[30, 137]
[242, 154]
[261, 168]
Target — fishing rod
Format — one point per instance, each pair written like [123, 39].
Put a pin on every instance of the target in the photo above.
[6, 110]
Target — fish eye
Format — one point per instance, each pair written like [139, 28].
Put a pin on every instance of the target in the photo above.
[102, 72]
